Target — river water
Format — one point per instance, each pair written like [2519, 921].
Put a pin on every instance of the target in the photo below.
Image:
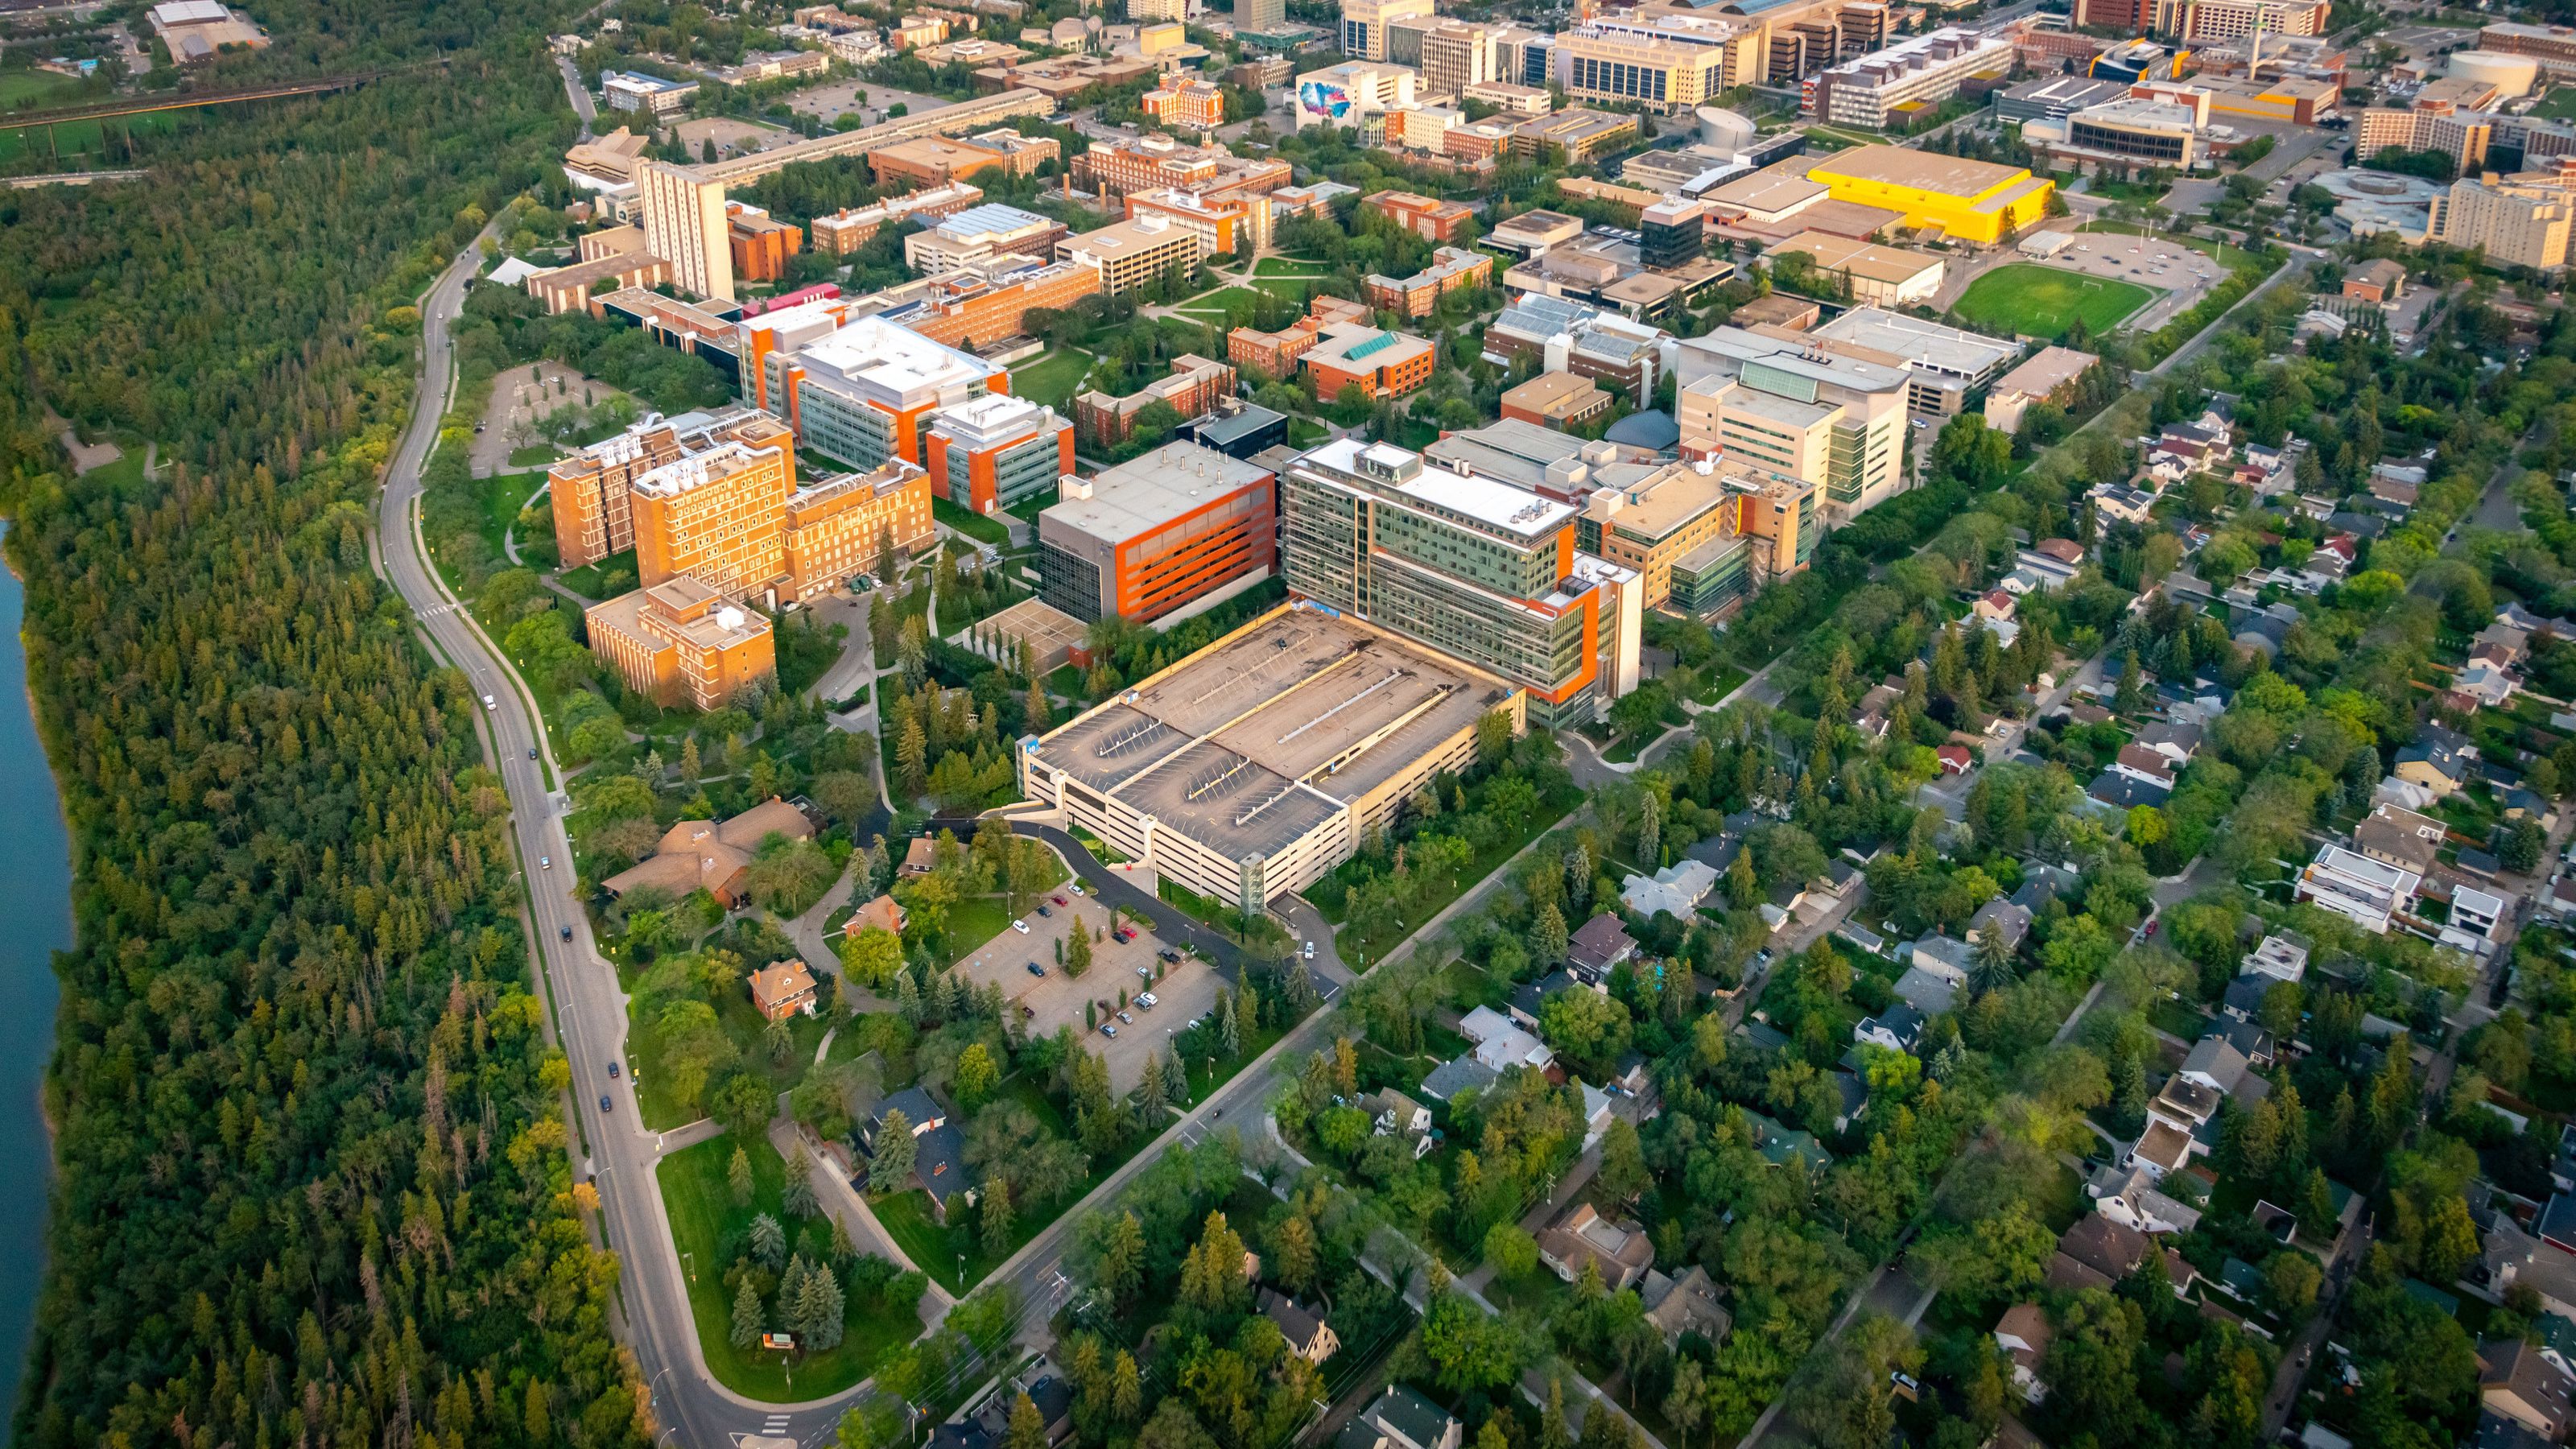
[36, 900]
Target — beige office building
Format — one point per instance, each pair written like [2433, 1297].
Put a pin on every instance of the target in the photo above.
[1795, 408]
[1128, 254]
[1636, 70]
[1365, 24]
[685, 222]
[2520, 220]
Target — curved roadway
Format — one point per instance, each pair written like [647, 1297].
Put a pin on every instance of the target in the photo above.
[589, 1009]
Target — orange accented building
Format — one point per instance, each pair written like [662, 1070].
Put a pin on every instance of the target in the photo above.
[970, 309]
[592, 490]
[1439, 221]
[833, 529]
[995, 452]
[682, 644]
[1380, 363]
[1211, 173]
[1146, 537]
[864, 393]
[761, 243]
[1189, 105]
[1192, 389]
[1276, 353]
[939, 160]
[715, 514]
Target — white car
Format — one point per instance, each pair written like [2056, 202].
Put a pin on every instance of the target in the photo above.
[1076, 888]
[1310, 950]
[545, 862]
[1020, 926]
[490, 703]
[1149, 1001]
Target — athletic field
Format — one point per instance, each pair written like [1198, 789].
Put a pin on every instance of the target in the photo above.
[2036, 301]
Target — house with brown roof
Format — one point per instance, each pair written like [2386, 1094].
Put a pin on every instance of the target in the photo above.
[1687, 1304]
[2024, 1335]
[884, 913]
[1599, 944]
[919, 858]
[702, 854]
[1621, 1251]
[783, 989]
[2528, 1385]
[2400, 837]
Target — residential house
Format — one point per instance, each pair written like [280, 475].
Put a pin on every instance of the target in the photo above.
[1955, 759]
[2177, 741]
[2051, 564]
[1453, 1079]
[1854, 1095]
[783, 989]
[1677, 888]
[883, 913]
[1898, 1028]
[2364, 891]
[2096, 1253]
[938, 1148]
[1308, 1336]
[1620, 1251]
[2023, 1335]
[1599, 944]
[2245, 994]
[920, 857]
[1994, 604]
[2000, 915]
[2281, 957]
[2440, 760]
[1407, 1420]
[2124, 790]
[1779, 1145]
[2131, 1197]
[2512, 1258]
[1500, 1044]
[1687, 1304]
[2527, 1384]
[2394, 835]
[1928, 992]
[1530, 996]
[2138, 762]
[702, 854]
[1941, 956]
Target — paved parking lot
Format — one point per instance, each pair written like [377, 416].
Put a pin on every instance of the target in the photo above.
[2182, 274]
[839, 98]
[1181, 992]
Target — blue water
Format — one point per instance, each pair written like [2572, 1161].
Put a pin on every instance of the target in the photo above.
[36, 899]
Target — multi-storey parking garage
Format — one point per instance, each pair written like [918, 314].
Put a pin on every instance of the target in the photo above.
[1257, 764]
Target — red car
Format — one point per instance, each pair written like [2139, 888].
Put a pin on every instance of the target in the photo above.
[1060, 900]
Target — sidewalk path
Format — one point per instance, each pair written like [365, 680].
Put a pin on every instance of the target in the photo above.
[845, 1205]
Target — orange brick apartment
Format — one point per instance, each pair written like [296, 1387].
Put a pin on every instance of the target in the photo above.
[1276, 353]
[939, 160]
[715, 515]
[1191, 105]
[1193, 388]
[1383, 364]
[682, 644]
[832, 529]
[1147, 537]
[760, 243]
[1212, 173]
[969, 311]
[1439, 221]
[1415, 296]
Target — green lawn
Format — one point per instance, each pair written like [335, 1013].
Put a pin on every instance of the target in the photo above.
[744, 1026]
[1729, 679]
[2558, 105]
[74, 141]
[2025, 299]
[1051, 379]
[1359, 951]
[970, 523]
[702, 1209]
[1305, 432]
[1291, 267]
[591, 579]
[536, 455]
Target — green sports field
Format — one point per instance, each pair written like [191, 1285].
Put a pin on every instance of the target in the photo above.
[2035, 301]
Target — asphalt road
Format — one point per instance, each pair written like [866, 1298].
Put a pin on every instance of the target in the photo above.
[588, 1008]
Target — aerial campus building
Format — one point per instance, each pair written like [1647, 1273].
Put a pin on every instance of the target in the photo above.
[1256, 765]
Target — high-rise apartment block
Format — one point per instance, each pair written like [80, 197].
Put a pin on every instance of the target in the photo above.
[996, 452]
[2204, 21]
[1789, 407]
[1456, 54]
[1260, 17]
[1148, 537]
[685, 222]
[682, 644]
[1471, 566]
[759, 244]
[836, 526]
[1365, 23]
[2522, 220]
[1223, 224]
[862, 393]
[714, 515]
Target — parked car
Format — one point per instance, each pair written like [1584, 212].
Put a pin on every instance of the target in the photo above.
[1169, 956]
[1122, 935]
[1020, 926]
[1036, 970]
[1046, 910]
[1146, 972]
[1149, 1001]
[1123, 1016]
[1060, 900]
[1109, 1028]
[1076, 888]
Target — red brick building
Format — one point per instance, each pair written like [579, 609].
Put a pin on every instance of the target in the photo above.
[1193, 389]
[1439, 221]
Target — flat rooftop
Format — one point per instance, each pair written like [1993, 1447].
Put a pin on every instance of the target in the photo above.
[1919, 170]
[1490, 502]
[1250, 744]
[1924, 344]
[1139, 496]
[1774, 189]
[1860, 258]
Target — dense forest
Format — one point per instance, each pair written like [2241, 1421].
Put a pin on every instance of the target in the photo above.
[314, 1187]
